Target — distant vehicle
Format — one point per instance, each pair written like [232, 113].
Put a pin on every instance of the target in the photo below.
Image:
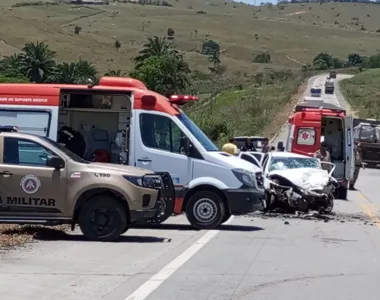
[329, 87]
[256, 140]
[316, 92]
[332, 74]
[367, 132]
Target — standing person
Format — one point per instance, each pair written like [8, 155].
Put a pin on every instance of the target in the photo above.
[324, 155]
[248, 146]
[266, 148]
[358, 164]
[230, 147]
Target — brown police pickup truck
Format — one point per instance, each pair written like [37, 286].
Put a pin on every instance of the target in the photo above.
[41, 182]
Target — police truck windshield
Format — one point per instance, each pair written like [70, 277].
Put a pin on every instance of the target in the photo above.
[198, 133]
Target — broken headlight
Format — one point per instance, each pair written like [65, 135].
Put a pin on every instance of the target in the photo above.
[147, 181]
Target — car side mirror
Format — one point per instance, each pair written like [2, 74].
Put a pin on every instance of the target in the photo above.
[55, 162]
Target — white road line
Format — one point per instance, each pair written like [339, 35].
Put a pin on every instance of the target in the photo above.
[157, 279]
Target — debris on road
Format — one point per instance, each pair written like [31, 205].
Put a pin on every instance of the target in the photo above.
[15, 235]
[315, 216]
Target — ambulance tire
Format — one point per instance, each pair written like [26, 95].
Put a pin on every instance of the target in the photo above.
[205, 210]
[102, 218]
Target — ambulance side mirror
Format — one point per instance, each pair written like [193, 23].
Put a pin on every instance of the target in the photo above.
[280, 146]
[55, 162]
[185, 145]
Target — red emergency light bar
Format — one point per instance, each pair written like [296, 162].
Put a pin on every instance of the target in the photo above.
[182, 99]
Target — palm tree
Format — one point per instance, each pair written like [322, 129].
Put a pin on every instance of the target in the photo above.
[115, 73]
[75, 72]
[11, 66]
[156, 46]
[38, 61]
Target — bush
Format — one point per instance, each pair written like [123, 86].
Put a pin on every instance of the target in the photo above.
[210, 47]
[262, 58]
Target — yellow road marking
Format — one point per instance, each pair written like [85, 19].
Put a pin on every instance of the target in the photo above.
[369, 210]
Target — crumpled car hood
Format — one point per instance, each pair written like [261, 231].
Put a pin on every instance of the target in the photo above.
[307, 178]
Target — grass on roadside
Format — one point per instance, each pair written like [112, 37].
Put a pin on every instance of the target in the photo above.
[363, 93]
[249, 111]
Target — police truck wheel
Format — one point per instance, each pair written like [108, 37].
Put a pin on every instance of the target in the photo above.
[205, 210]
[102, 218]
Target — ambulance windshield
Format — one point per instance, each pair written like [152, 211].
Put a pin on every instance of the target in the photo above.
[198, 133]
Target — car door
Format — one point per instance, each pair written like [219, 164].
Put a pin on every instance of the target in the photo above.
[158, 146]
[350, 158]
[28, 187]
[251, 158]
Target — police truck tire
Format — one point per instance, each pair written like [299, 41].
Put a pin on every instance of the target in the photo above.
[102, 218]
[205, 210]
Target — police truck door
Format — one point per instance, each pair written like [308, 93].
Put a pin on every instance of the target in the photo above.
[158, 146]
[28, 186]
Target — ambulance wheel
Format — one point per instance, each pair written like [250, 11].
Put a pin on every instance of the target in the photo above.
[227, 216]
[342, 193]
[205, 210]
[102, 218]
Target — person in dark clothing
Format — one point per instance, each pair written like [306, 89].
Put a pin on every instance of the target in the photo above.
[248, 146]
[72, 139]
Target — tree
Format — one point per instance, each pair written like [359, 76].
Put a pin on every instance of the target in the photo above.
[165, 74]
[354, 59]
[115, 73]
[262, 58]
[117, 44]
[75, 72]
[215, 59]
[11, 66]
[209, 47]
[155, 47]
[38, 61]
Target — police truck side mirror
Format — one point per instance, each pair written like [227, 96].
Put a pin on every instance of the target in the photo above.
[55, 162]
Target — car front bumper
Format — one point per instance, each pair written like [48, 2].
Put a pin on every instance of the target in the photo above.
[244, 201]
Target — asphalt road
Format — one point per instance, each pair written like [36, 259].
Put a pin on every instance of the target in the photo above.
[253, 257]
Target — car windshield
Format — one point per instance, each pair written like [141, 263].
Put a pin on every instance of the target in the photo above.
[285, 163]
[198, 134]
[70, 154]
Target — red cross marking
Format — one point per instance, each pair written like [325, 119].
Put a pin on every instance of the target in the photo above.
[305, 135]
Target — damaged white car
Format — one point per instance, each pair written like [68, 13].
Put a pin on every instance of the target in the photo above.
[295, 182]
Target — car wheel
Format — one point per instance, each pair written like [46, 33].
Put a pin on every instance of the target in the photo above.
[330, 206]
[102, 218]
[205, 210]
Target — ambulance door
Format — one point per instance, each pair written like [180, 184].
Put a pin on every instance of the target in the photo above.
[350, 158]
[158, 146]
[307, 133]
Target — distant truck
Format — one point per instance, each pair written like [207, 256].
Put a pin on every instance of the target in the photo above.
[329, 87]
[367, 132]
[332, 75]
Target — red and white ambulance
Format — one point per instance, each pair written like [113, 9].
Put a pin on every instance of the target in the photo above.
[315, 121]
[145, 129]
